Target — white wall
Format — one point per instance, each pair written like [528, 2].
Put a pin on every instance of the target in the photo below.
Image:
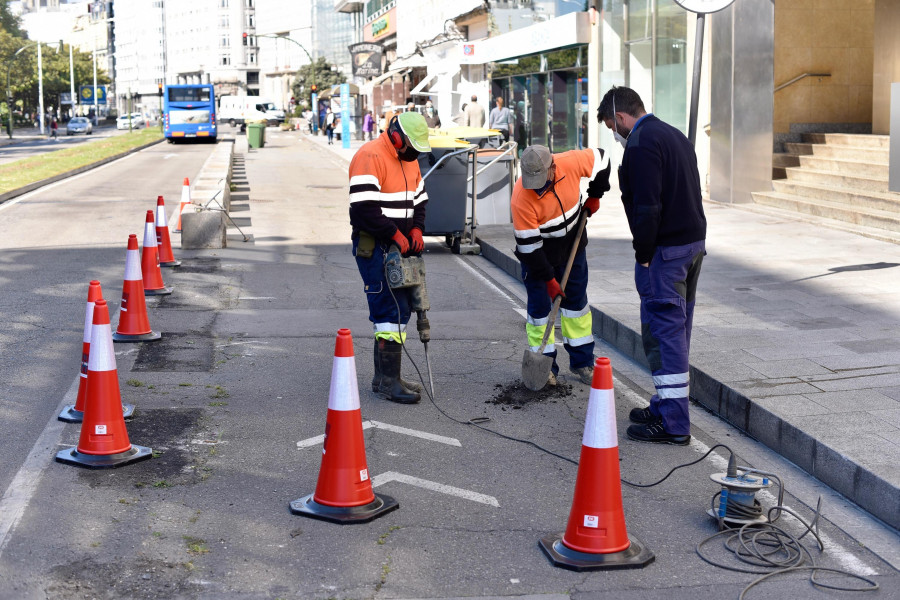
[421, 20]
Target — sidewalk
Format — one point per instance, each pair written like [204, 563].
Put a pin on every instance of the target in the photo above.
[794, 342]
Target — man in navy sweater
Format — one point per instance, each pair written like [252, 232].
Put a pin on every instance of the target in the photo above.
[660, 187]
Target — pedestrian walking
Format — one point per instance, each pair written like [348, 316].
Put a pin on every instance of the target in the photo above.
[431, 117]
[387, 207]
[329, 125]
[474, 113]
[660, 187]
[546, 205]
[500, 119]
[368, 126]
[54, 129]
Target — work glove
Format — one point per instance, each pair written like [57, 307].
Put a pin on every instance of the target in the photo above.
[553, 289]
[401, 241]
[418, 244]
[592, 205]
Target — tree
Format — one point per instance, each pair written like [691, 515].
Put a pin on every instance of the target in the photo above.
[321, 72]
[9, 22]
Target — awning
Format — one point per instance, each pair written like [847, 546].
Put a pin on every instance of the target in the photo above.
[390, 73]
[417, 91]
[335, 90]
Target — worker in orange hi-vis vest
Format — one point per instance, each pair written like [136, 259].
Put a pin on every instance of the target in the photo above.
[546, 205]
[387, 207]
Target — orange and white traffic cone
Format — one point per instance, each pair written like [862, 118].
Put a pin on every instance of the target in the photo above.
[153, 281]
[344, 490]
[74, 413]
[596, 537]
[166, 258]
[185, 202]
[103, 442]
[134, 325]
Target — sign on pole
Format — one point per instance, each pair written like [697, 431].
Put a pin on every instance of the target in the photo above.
[86, 94]
[345, 115]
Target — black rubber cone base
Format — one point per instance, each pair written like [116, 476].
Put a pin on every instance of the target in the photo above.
[143, 337]
[72, 456]
[344, 515]
[163, 291]
[171, 265]
[70, 415]
[636, 556]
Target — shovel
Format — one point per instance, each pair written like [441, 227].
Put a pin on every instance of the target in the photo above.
[535, 364]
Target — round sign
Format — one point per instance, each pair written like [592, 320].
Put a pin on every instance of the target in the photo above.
[704, 6]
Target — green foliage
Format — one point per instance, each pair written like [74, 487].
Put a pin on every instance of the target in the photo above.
[8, 21]
[319, 73]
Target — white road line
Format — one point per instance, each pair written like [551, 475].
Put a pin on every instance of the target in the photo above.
[434, 486]
[168, 156]
[433, 437]
[21, 489]
[257, 298]
[14, 201]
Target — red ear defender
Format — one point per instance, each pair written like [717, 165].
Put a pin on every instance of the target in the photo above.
[394, 134]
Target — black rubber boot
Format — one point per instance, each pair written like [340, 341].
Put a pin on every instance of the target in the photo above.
[410, 386]
[390, 387]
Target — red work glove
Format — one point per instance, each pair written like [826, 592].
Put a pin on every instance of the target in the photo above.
[401, 241]
[418, 244]
[554, 290]
[592, 205]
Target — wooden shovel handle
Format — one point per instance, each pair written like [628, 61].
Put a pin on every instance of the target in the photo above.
[582, 220]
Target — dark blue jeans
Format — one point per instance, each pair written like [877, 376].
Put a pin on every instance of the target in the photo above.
[668, 289]
[383, 306]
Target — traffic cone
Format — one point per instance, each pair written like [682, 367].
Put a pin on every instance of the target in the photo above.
[344, 491]
[134, 326]
[185, 201]
[596, 537]
[166, 258]
[74, 413]
[103, 442]
[153, 281]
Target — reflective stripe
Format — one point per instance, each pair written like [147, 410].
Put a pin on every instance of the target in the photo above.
[344, 393]
[420, 198]
[390, 327]
[579, 341]
[89, 321]
[537, 322]
[529, 248]
[601, 161]
[398, 213]
[579, 329]
[161, 216]
[674, 379]
[408, 195]
[365, 197]
[132, 267]
[365, 180]
[600, 421]
[149, 235]
[574, 314]
[665, 393]
[103, 356]
[393, 336]
[536, 336]
[557, 221]
[548, 349]
[526, 233]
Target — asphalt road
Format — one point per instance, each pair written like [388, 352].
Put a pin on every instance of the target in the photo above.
[25, 147]
[242, 376]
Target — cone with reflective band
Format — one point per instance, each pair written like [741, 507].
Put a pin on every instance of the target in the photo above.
[596, 537]
[344, 490]
[134, 325]
[103, 442]
[152, 274]
[166, 258]
[185, 201]
[73, 413]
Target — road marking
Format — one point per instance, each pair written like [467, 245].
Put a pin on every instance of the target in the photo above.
[434, 486]
[18, 199]
[433, 437]
[22, 487]
[257, 298]
[168, 156]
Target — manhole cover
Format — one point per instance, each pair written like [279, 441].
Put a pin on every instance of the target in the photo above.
[181, 352]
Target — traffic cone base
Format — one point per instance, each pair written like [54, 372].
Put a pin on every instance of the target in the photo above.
[163, 291]
[143, 337]
[70, 415]
[344, 515]
[171, 264]
[72, 456]
[635, 556]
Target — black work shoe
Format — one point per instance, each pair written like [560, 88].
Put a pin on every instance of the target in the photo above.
[641, 415]
[655, 433]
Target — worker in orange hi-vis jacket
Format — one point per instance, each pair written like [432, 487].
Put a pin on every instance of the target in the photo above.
[546, 205]
[387, 207]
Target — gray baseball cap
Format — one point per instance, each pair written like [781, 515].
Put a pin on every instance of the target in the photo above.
[535, 163]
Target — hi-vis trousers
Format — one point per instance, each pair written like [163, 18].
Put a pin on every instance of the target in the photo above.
[574, 314]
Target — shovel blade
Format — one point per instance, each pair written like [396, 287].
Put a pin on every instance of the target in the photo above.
[536, 368]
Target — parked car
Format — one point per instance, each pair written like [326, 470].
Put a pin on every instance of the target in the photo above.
[79, 125]
[137, 121]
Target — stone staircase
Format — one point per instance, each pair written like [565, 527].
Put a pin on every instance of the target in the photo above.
[839, 177]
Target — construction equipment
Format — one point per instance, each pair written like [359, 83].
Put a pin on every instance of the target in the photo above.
[536, 365]
[409, 272]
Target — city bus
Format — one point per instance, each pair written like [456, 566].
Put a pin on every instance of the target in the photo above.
[189, 111]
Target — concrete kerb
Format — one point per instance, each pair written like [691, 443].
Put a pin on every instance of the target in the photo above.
[39, 184]
[211, 199]
[860, 485]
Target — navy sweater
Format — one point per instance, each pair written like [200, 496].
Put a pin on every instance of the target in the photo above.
[660, 187]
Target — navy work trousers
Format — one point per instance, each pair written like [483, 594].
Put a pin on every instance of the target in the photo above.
[388, 321]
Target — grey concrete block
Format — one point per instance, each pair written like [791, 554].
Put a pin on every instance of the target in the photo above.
[764, 426]
[797, 446]
[204, 229]
[880, 497]
[836, 470]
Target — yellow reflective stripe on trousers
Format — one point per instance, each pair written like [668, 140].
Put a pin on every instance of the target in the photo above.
[577, 331]
[536, 336]
[393, 336]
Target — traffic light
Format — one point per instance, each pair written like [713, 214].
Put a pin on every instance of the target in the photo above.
[159, 89]
[245, 38]
[314, 88]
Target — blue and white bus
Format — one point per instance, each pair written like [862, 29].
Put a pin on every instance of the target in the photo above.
[189, 111]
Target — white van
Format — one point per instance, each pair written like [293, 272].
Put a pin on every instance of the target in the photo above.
[237, 110]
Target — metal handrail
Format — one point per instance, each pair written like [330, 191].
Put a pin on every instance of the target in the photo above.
[512, 148]
[468, 148]
[799, 77]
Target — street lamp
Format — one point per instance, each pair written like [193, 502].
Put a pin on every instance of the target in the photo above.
[312, 70]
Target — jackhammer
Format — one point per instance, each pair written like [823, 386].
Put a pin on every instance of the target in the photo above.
[409, 272]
